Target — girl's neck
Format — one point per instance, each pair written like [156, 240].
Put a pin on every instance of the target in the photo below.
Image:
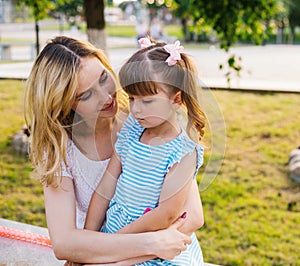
[161, 134]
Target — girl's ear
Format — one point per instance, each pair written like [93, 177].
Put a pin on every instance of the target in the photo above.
[177, 98]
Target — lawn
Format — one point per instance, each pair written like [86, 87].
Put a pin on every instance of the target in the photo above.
[252, 209]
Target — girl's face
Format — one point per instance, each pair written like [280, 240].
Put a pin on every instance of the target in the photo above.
[96, 93]
[153, 110]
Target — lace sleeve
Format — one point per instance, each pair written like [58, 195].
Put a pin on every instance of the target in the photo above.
[66, 170]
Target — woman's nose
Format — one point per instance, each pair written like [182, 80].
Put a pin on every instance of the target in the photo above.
[107, 97]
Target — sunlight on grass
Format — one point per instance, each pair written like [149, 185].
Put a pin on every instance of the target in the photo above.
[21, 197]
[248, 221]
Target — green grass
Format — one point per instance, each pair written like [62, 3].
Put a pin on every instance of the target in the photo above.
[21, 197]
[247, 218]
[129, 30]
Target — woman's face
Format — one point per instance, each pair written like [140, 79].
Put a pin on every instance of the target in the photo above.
[96, 93]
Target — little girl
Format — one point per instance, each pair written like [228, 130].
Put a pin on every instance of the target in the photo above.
[156, 157]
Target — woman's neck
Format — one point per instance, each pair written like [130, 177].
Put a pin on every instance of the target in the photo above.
[98, 140]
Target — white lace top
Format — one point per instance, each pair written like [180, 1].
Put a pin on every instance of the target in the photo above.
[86, 174]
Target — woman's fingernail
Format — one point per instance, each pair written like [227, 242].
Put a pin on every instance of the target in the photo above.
[147, 210]
[183, 216]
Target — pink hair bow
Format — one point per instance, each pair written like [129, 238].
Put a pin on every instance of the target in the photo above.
[145, 42]
[174, 50]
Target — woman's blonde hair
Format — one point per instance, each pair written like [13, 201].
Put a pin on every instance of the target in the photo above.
[146, 71]
[49, 95]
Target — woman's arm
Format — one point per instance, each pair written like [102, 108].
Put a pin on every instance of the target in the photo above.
[178, 223]
[194, 221]
[70, 243]
[103, 194]
[172, 198]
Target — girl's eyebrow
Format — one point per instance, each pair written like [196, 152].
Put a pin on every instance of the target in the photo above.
[80, 94]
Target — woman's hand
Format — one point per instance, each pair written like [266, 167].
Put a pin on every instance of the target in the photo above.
[170, 242]
[69, 263]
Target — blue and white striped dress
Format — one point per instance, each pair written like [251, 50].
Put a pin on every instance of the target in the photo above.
[139, 185]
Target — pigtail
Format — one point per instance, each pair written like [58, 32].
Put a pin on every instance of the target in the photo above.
[196, 117]
[190, 87]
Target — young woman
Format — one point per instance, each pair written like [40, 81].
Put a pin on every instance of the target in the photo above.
[71, 103]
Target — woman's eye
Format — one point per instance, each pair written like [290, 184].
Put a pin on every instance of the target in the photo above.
[85, 96]
[103, 77]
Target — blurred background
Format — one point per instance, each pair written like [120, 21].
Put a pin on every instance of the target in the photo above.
[252, 207]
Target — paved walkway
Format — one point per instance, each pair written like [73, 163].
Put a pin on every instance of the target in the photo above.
[269, 67]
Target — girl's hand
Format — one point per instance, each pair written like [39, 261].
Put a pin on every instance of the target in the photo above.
[170, 242]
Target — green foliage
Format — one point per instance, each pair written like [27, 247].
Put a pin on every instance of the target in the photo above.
[40, 7]
[232, 20]
[234, 66]
[70, 8]
[294, 12]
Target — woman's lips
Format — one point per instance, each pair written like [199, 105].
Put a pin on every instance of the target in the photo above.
[108, 107]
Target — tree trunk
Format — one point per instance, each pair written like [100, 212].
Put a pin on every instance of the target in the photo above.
[94, 14]
[37, 39]
[97, 38]
[185, 30]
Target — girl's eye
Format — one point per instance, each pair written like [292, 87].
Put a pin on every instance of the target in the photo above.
[85, 96]
[131, 99]
[103, 77]
[147, 101]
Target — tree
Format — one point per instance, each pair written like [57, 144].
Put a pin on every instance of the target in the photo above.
[70, 9]
[181, 10]
[232, 20]
[94, 14]
[294, 17]
[40, 10]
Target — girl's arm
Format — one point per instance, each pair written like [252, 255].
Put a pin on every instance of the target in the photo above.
[193, 207]
[194, 221]
[173, 196]
[70, 243]
[102, 195]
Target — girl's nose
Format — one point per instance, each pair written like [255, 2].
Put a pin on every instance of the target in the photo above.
[135, 108]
